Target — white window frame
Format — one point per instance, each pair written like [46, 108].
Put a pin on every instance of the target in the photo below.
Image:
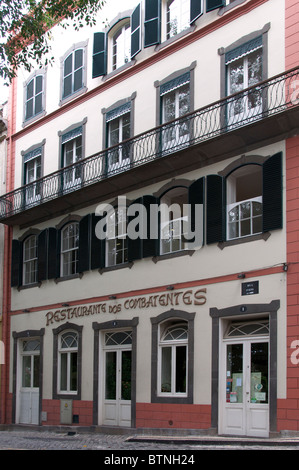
[239, 221]
[30, 262]
[68, 351]
[246, 112]
[69, 252]
[171, 135]
[173, 345]
[70, 176]
[116, 240]
[121, 46]
[34, 97]
[118, 153]
[33, 192]
[181, 16]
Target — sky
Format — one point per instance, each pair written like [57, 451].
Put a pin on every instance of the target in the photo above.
[114, 7]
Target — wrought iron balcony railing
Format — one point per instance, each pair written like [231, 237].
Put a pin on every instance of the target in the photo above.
[258, 102]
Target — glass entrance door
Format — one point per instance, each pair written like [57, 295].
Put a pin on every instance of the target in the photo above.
[245, 410]
[117, 393]
[29, 387]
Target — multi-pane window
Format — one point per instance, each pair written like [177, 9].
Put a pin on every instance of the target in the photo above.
[173, 220]
[73, 73]
[68, 363]
[121, 46]
[177, 17]
[30, 363]
[244, 69]
[33, 173]
[69, 249]
[173, 347]
[34, 97]
[119, 130]
[71, 154]
[175, 104]
[116, 243]
[244, 202]
[30, 260]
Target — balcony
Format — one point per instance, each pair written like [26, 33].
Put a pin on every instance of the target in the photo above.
[261, 114]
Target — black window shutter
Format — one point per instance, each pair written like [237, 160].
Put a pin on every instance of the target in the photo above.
[215, 209]
[272, 193]
[84, 244]
[152, 22]
[97, 245]
[196, 196]
[136, 31]
[53, 253]
[42, 256]
[195, 10]
[150, 245]
[99, 58]
[16, 263]
[213, 4]
[134, 244]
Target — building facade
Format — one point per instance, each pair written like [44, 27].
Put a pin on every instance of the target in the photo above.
[151, 223]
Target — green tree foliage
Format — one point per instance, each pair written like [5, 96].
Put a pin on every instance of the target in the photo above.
[25, 29]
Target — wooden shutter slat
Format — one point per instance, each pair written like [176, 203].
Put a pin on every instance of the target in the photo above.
[215, 209]
[272, 193]
[136, 31]
[99, 58]
[152, 23]
[16, 263]
[84, 244]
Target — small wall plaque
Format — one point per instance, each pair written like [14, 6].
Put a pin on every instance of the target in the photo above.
[250, 288]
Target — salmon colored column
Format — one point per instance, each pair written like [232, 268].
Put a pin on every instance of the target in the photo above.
[288, 410]
[6, 307]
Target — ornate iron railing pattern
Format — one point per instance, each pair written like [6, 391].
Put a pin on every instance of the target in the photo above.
[257, 102]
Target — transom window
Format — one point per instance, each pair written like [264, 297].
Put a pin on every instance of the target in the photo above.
[69, 249]
[173, 346]
[253, 328]
[121, 46]
[118, 338]
[73, 67]
[30, 260]
[244, 197]
[68, 360]
[177, 17]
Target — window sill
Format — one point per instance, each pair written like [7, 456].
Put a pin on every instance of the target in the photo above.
[29, 286]
[229, 7]
[178, 36]
[173, 400]
[31, 120]
[175, 254]
[72, 96]
[115, 267]
[239, 241]
[67, 396]
[119, 70]
[68, 278]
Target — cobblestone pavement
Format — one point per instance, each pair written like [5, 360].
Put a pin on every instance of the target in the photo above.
[51, 440]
